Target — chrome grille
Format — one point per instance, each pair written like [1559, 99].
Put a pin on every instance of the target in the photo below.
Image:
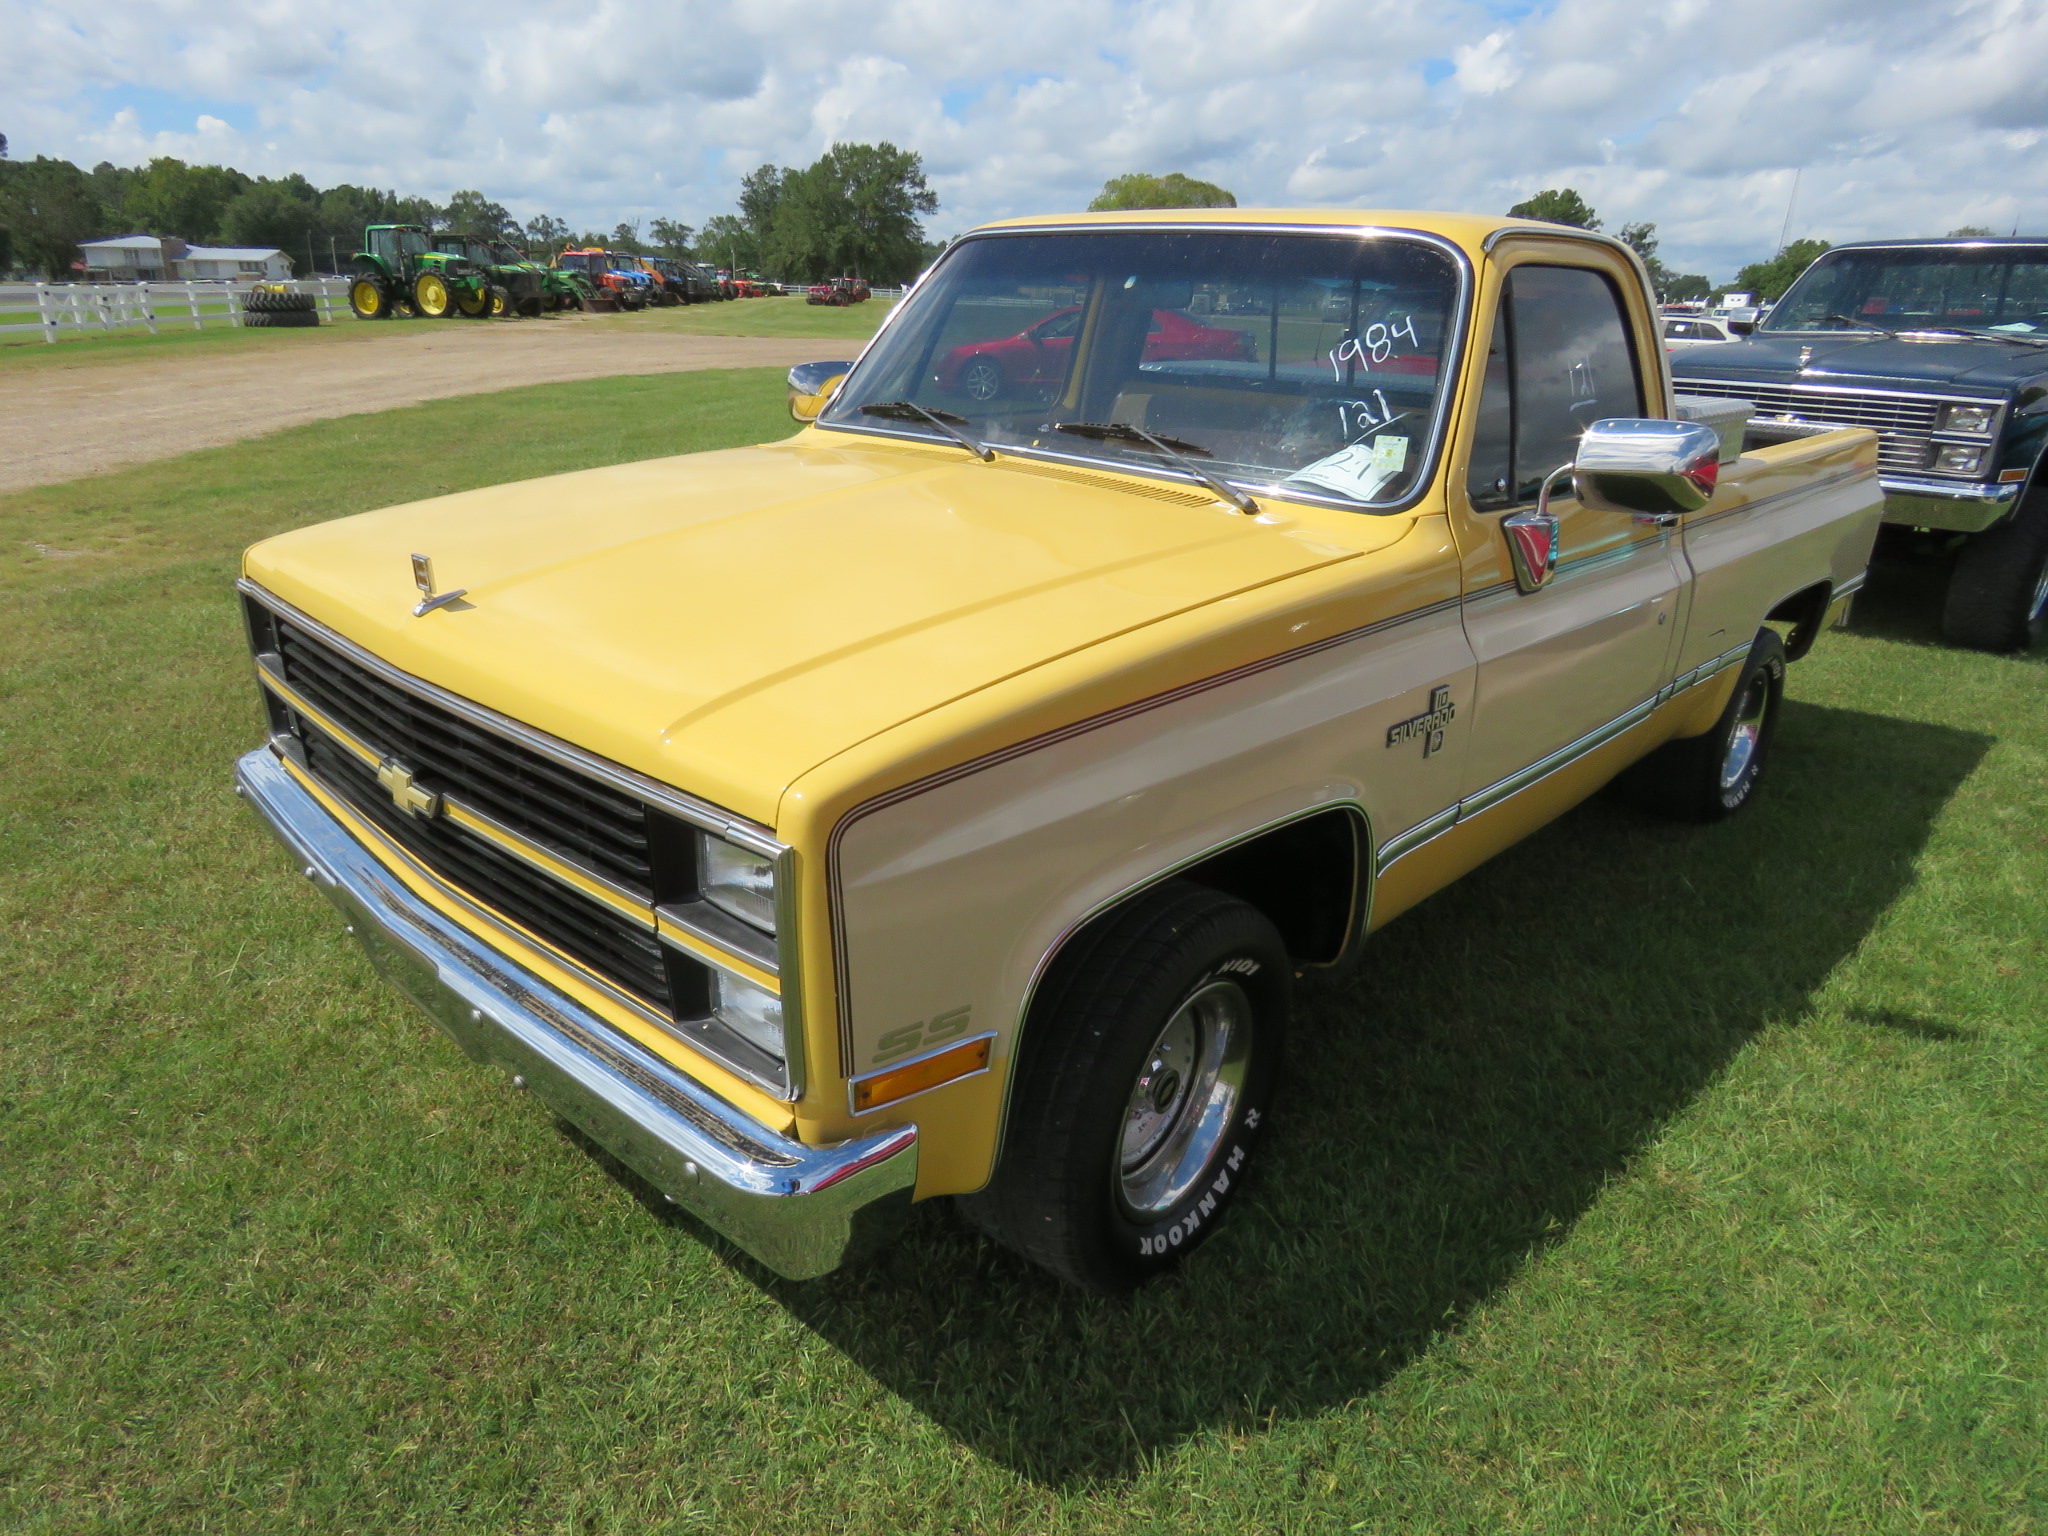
[583, 822]
[1904, 423]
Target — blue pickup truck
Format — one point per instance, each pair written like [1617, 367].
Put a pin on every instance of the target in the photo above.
[1941, 347]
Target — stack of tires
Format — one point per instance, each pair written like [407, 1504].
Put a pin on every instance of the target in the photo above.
[278, 306]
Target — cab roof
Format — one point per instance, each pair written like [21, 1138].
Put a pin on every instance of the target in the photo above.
[1472, 231]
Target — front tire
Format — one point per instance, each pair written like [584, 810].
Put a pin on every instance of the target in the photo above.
[366, 298]
[1998, 591]
[1711, 777]
[1148, 1066]
[431, 296]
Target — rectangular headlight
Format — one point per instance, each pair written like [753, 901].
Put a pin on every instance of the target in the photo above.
[1958, 461]
[753, 1013]
[1969, 418]
[736, 881]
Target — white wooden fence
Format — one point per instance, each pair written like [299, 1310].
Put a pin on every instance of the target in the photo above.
[58, 310]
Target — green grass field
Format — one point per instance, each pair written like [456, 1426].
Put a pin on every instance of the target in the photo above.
[1651, 1180]
[738, 317]
[780, 315]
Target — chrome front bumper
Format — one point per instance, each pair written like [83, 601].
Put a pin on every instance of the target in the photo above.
[800, 1210]
[1956, 506]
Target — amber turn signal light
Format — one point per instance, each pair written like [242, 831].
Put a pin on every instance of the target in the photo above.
[914, 1077]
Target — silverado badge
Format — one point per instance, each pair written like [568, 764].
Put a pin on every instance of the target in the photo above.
[398, 782]
[1429, 727]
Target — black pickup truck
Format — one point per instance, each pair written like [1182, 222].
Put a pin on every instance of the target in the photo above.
[1940, 346]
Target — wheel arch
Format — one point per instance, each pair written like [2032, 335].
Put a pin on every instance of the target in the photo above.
[1807, 612]
[1335, 840]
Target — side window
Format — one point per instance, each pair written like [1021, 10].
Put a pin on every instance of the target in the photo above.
[1573, 365]
[1492, 475]
[1561, 359]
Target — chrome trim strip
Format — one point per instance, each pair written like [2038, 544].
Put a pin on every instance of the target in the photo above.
[800, 1210]
[1563, 757]
[723, 932]
[548, 861]
[689, 942]
[1422, 832]
[1853, 584]
[699, 813]
[1402, 844]
[1449, 362]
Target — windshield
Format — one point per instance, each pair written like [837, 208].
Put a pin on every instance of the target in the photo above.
[1312, 364]
[1993, 288]
[412, 242]
[505, 255]
[577, 261]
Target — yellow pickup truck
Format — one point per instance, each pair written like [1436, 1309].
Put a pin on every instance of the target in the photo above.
[947, 800]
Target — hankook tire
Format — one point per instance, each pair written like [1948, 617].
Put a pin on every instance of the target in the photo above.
[1148, 1062]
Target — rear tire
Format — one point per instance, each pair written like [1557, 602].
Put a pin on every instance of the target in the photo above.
[1998, 591]
[1147, 1068]
[1711, 777]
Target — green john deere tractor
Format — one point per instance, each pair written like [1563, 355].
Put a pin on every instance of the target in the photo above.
[398, 271]
[518, 286]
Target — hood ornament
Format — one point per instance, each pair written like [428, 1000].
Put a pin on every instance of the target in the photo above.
[423, 578]
[1805, 356]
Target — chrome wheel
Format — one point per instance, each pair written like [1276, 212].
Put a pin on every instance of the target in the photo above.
[1184, 1099]
[1748, 730]
[2039, 606]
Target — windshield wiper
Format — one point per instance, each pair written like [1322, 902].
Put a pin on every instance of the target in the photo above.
[1866, 324]
[1173, 448]
[945, 421]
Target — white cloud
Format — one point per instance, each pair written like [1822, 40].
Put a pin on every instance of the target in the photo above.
[1904, 117]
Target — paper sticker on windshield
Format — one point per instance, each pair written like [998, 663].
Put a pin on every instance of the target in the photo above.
[1358, 471]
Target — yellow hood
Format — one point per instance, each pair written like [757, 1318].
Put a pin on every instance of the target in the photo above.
[726, 621]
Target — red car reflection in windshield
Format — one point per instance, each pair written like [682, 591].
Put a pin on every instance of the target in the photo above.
[1037, 355]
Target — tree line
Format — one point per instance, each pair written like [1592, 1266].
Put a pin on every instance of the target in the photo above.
[854, 210]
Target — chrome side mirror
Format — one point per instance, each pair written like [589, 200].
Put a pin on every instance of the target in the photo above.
[1652, 470]
[811, 386]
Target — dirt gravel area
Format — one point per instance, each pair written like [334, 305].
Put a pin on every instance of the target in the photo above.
[62, 424]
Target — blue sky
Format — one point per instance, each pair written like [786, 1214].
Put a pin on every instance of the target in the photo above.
[1900, 118]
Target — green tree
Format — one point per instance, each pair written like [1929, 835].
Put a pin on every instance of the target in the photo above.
[670, 238]
[625, 237]
[1768, 280]
[1685, 287]
[471, 213]
[277, 213]
[760, 196]
[48, 206]
[725, 241]
[170, 197]
[545, 233]
[1969, 232]
[1557, 205]
[853, 210]
[1140, 189]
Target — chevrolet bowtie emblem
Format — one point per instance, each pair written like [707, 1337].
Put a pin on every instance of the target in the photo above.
[423, 578]
[1429, 728]
[398, 782]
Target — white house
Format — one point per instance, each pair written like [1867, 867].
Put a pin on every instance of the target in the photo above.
[166, 258]
[234, 264]
[132, 259]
